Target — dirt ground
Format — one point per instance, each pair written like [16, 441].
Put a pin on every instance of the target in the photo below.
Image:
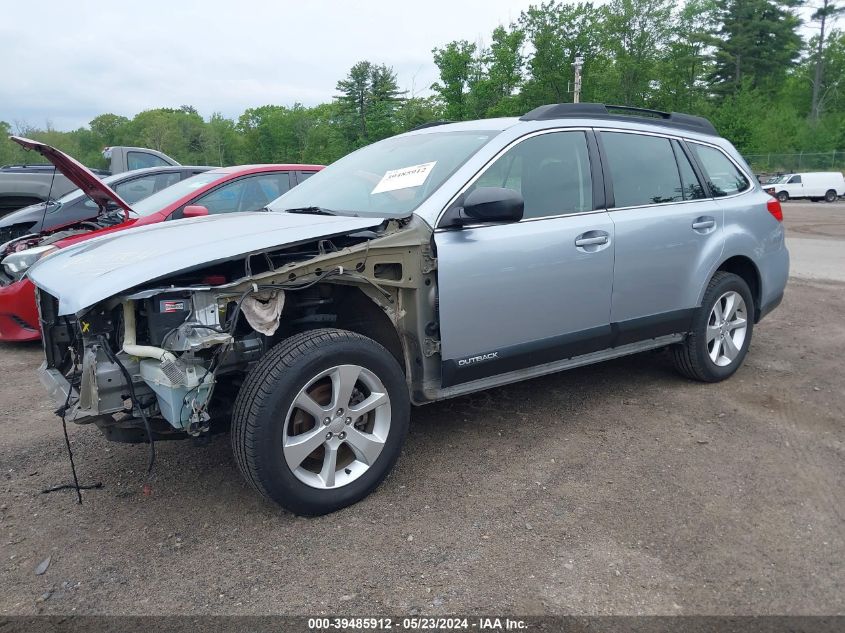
[619, 488]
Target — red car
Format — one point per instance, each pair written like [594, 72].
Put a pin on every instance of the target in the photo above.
[223, 190]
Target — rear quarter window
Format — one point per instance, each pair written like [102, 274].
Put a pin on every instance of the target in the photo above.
[722, 175]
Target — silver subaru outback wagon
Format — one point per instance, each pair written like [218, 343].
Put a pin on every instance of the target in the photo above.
[454, 258]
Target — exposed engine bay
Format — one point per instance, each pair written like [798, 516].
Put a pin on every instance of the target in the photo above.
[21, 241]
[166, 359]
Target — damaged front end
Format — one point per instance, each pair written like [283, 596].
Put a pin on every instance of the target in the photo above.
[157, 356]
[167, 357]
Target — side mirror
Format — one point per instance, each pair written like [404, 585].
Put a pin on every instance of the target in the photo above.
[194, 211]
[488, 204]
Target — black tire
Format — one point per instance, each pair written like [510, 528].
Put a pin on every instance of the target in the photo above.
[830, 196]
[691, 356]
[266, 396]
[782, 196]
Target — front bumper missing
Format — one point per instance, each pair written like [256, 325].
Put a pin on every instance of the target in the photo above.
[87, 403]
[58, 387]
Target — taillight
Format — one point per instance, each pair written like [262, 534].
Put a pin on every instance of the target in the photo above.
[774, 208]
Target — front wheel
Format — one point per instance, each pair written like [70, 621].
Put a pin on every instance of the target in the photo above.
[321, 420]
[783, 196]
[721, 332]
[830, 196]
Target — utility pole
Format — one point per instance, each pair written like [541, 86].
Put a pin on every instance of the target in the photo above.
[577, 66]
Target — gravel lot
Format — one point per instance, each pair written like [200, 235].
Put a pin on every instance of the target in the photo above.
[618, 488]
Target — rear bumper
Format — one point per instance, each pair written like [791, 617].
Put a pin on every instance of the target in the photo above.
[766, 308]
[774, 273]
[18, 312]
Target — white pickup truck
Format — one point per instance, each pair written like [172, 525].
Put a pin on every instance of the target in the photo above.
[23, 185]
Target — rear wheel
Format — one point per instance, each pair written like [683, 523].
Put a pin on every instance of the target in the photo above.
[320, 422]
[830, 196]
[783, 196]
[721, 333]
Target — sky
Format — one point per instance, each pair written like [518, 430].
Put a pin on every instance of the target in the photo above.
[65, 62]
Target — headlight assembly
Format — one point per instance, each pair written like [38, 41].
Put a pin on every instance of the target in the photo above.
[18, 263]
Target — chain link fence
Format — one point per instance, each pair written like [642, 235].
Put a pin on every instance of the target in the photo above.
[833, 160]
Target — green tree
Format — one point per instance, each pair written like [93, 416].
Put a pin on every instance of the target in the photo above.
[109, 127]
[559, 32]
[635, 34]
[368, 100]
[684, 64]
[384, 99]
[456, 62]
[757, 42]
[825, 14]
[496, 74]
[220, 141]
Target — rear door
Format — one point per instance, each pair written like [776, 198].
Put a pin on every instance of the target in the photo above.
[517, 295]
[668, 233]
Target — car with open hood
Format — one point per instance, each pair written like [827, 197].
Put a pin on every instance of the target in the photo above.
[218, 191]
[28, 184]
[440, 262]
[76, 208]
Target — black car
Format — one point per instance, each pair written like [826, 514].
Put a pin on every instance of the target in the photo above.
[75, 207]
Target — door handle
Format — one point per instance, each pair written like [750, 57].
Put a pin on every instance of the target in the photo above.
[591, 241]
[703, 223]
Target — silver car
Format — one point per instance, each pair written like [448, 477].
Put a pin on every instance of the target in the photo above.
[451, 259]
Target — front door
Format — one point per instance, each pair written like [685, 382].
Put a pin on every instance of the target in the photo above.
[513, 296]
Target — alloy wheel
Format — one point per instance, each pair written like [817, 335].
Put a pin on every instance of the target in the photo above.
[336, 427]
[727, 327]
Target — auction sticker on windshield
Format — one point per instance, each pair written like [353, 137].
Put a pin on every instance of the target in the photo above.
[412, 176]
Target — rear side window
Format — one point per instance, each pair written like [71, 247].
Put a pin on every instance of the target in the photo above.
[551, 171]
[722, 175]
[643, 169]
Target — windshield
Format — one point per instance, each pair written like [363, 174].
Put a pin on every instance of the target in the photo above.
[390, 178]
[171, 194]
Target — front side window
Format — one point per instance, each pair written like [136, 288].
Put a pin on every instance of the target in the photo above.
[139, 160]
[551, 172]
[722, 175]
[164, 198]
[795, 180]
[642, 168]
[246, 194]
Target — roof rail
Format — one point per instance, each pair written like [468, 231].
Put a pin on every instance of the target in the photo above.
[625, 113]
[422, 126]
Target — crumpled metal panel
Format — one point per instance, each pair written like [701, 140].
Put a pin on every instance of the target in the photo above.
[91, 271]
